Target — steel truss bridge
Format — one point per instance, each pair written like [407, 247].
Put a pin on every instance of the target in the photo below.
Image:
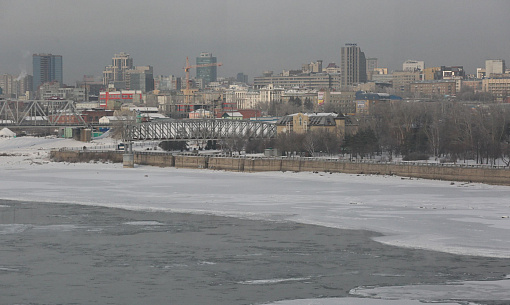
[39, 113]
[199, 129]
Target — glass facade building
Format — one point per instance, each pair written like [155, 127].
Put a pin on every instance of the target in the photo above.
[207, 74]
[47, 68]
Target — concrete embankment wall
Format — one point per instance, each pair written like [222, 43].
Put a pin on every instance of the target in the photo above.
[426, 171]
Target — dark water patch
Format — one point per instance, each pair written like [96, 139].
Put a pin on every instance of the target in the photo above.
[93, 255]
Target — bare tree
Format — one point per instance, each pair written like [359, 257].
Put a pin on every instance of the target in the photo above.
[122, 119]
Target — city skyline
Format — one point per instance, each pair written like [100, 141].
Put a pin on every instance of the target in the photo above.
[251, 36]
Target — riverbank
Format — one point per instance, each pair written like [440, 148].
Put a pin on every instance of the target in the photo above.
[434, 171]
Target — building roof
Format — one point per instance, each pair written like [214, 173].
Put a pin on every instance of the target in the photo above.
[233, 114]
[315, 119]
[361, 95]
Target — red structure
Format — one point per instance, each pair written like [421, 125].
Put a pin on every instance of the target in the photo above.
[128, 96]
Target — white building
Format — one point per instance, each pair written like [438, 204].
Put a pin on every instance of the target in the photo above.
[480, 73]
[413, 65]
[494, 66]
[243, 97]
[270, 94]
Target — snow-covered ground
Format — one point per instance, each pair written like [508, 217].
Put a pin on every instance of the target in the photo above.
[460, 218]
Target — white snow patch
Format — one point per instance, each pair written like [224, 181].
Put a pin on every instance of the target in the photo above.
[470, 290]
[13, 228]
[274, 281]
[144, 223]
[352, 301]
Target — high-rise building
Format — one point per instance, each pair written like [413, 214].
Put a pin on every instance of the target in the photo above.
[207, 74]
[242, 78]
[47, 68]
[353, 65]
[313, 67]
[371, 67]
[8, 84]
[116, 72]
[371, 64]
[494, 66]
[140, 78]
[25, 84]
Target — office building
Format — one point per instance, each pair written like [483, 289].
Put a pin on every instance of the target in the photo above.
[116, 73]
[371, 67]
[371, 64]
[242, 78]
[413, 65]
[305, 80]
[453, 72]
[494, 66]
[313, 67]
[206, 74]
[46, 68]
[433, 73]
[403, 79]
[9, 85]
[498, 86]
[140, 78]
[353, 65]
[430, 88]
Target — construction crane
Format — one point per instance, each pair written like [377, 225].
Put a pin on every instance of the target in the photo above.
[188, 92]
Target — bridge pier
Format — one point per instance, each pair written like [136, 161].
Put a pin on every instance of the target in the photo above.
[128, 158]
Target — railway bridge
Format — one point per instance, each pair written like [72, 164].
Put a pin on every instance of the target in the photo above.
[32, 113]
[198, 129]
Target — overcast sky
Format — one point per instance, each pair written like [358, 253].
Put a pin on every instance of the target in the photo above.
[251, 36]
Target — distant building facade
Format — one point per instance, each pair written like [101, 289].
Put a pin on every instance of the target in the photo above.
[372, 65]
[497, 86]
[206, 74]
[365, 101]
[342, 100]
[242, 78]
[434, 88]
[332, 68]
[433, 73]
[353, 65]
[309, 80]
[413, 65]
[116, 73]
[403, 79]
[453, 72]
[140, 78]
[8, 85]
[305, 122]
[314, 67]
[114, 99]
[46, 68]
[494, 66]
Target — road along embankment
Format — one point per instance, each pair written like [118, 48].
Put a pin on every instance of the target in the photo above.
[474, 173]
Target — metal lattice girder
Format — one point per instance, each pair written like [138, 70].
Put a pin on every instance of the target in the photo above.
[38, 112]
[204, 129]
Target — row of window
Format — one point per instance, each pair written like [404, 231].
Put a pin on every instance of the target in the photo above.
[114, 96]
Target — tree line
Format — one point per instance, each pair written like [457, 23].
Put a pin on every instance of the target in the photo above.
[444, 130]
[447, 131]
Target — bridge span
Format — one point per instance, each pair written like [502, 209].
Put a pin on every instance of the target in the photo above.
[39, 113]
[199, 129]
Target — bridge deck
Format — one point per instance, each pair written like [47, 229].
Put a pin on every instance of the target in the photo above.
[201, 129]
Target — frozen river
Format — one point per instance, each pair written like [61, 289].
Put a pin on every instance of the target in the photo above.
[73, 254]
